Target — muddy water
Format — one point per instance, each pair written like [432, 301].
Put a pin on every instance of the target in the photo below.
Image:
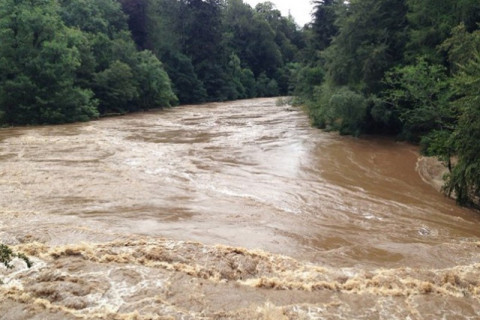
[234, 210]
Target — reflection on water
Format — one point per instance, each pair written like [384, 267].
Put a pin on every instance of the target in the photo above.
[93, 204]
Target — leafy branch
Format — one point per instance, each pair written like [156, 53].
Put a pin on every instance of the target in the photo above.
[7, 255]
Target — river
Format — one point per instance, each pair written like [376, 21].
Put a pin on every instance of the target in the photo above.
[237, 210]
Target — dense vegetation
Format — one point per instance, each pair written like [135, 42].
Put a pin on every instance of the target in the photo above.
[74, 60]
[409, 68]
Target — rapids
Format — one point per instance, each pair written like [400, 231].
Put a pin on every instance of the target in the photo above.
[237, 210]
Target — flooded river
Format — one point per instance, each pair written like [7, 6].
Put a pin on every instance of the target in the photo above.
[235, 210]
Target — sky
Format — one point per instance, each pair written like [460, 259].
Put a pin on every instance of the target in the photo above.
[300, 9]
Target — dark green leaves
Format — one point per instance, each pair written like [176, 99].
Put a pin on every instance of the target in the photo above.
[38, 66]
[73, 61]
[419, 95]
[409, 68]
[7, 255]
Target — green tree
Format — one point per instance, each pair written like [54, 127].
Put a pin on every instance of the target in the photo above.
[249, 35]
[186, 84]
[371, 38]
[318, 34]
[323, 25]
[338, 108]
[111, 52]
[266, 87]
[234, 73]
[419, 96]
[154, 85]
[202, 41]
[460, 47]
[116, 87]
[247, 79]
[464, 180]
[431, 22]
[100, 16]
[137, 20]
[38, 64]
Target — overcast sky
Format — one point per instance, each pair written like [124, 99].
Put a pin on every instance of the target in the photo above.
[300, 9]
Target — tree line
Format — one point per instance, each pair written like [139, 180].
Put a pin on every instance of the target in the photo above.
[75, 60]
[409, 68]
[216, 50]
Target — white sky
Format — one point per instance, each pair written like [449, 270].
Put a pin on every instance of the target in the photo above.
[300, 9]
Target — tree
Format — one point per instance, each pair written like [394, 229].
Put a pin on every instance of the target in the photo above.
[371, 39]
[38, 65]
[100, 16]
[111, 65]
[323, 25]
[186, 84]
[419, 96]
[116, 87]
[249, 35]
[266, 87]
[431, 22]
[153, 83]
[464, 179]
[202, 42]
[137, 20]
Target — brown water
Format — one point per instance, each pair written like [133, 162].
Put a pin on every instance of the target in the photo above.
[234, 210]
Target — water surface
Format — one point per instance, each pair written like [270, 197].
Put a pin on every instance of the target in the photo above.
[229, 210]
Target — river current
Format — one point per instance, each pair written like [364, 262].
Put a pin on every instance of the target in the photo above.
[237, 210]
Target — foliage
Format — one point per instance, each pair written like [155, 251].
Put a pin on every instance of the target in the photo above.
[323, 25]
[464, 180]
[431, 22]
[116, 88]
[186, 84]
[210, 49]
[339, 109]
[306, 79]
[347, 111]
[408, 68]
[419, 95]
[7, 255]
[366, 45]
[65, 61]
[100, 16]
[266, 87]
[153, 83]
[38, 64]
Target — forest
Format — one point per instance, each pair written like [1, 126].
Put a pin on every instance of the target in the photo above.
[75, 60]
[404, 68]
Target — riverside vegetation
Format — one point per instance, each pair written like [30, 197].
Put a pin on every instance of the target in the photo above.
[66, 61]
[409, 68]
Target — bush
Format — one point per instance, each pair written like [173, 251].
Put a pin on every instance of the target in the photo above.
[338, 109]
[348, 111]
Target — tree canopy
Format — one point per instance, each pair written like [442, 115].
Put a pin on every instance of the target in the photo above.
[408, 68]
